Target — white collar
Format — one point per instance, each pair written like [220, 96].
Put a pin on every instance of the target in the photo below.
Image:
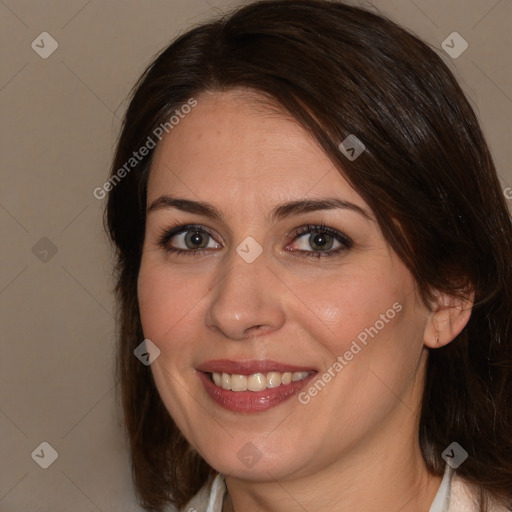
[441, 502]
[218, 490]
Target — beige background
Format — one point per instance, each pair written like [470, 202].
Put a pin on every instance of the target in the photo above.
[60, 118]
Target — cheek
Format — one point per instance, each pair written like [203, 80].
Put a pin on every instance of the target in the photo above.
[166, 303]
[166, 310]
[371, 321]
[344, 309]
[369, 342]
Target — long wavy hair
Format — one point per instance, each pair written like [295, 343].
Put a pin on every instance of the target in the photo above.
[426, 173]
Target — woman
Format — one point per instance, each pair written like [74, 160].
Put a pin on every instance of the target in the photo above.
[313, 243]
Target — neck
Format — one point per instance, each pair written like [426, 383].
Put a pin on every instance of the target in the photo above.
[378, 484]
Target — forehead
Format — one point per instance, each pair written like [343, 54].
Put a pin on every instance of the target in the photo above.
[234, 146]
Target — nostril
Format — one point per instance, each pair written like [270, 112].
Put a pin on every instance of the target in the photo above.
[254, 327]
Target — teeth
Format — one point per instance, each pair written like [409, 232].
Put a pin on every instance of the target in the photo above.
[286, 378]
[238, 382]
[256, 381]
[225, 381]
[274, 379]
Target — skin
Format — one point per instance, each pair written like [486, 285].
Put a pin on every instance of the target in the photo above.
[354, 445]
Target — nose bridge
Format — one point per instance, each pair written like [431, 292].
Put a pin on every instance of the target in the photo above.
[245, 298]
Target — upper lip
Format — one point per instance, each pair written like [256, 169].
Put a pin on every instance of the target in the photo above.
[249, 367]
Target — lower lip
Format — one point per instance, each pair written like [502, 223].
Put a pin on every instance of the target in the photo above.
[251, 401]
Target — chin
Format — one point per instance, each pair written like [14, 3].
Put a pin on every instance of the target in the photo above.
[255, 461]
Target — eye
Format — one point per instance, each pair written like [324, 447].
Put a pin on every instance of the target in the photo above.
[320, 241]
[187, 238]
[310, 241]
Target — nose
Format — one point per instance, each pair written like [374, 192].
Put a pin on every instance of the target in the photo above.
[245, 302]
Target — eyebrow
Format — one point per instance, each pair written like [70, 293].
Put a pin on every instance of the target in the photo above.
[278, 213]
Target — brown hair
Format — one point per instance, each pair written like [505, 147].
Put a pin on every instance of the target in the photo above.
[426, 173]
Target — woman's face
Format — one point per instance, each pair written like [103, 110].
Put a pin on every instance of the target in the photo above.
[257, 295]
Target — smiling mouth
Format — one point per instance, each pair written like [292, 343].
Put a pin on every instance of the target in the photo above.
[256, 381]
[252, 385]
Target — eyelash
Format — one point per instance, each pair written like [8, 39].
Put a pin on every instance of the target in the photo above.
[346, 242]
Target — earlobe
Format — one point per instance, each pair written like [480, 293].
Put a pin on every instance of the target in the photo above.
[448, 318]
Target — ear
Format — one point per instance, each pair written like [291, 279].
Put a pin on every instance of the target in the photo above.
[449, 315]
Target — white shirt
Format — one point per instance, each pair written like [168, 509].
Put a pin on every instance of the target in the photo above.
[454, 495]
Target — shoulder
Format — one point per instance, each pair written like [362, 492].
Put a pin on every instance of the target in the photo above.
[209, 498]
[464, 497]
